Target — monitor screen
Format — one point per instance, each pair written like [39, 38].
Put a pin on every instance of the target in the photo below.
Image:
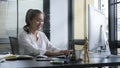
[96, 30]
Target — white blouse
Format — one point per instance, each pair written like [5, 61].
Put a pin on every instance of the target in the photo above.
[28, 44]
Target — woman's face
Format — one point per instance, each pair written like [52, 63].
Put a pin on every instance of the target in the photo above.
[37, 22]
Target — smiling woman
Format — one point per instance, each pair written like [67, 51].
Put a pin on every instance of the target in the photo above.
[34, 42]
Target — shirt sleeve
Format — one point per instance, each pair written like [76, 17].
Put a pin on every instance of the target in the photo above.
[25, 43]
[50, 47]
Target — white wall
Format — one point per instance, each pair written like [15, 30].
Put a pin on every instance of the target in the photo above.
[81, 18]
[59, 23]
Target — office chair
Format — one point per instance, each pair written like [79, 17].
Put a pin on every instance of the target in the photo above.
[14, 45]
[76, 42]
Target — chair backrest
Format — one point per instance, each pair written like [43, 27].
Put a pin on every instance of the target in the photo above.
[14, 45]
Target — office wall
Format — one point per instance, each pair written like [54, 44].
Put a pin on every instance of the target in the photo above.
[59, 23]
[81, 18]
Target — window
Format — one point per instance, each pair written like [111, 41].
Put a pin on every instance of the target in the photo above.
[8, 19]
[118, 22]
[24, 5]
[12, 19]
[12, 16]
[104, 9]
[118, 0]
[114, 25]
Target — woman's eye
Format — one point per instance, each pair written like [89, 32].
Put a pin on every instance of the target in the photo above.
[39, 20]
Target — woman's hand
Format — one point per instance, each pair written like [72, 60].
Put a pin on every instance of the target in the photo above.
[65, 52]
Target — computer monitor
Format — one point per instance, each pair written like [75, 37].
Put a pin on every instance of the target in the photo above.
[96, 30]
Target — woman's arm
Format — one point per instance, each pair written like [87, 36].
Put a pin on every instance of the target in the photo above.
[52, 50]
[62, 52]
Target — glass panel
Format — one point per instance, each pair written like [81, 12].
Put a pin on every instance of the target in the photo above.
[8, 18]
[24, 5]
[104, 9]
[112, 1]
[118, 21]
[118, 0]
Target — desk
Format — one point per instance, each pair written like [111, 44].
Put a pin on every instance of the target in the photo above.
[94, 62]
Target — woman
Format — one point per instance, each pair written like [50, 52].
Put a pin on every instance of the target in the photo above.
[34, 42]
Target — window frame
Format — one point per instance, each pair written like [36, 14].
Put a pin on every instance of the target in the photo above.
[112, 10]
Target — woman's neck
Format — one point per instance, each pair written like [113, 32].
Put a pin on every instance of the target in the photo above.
[33, 31]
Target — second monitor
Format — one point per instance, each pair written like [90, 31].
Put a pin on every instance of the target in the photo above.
[96, 30]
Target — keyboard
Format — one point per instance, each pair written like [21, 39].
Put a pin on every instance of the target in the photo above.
[61, 56]
[41, 56]
[113, 56]
[46, 59]
[97, 55]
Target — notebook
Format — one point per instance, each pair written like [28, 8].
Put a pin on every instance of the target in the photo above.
[15, 57]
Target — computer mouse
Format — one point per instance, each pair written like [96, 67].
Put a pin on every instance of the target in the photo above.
[42, 56]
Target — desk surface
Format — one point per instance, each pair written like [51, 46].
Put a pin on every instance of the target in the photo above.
[94, 62]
